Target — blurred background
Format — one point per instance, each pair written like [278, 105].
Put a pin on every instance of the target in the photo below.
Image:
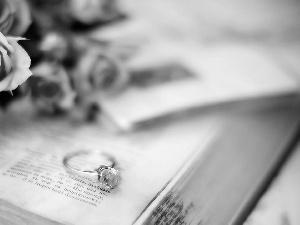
[84, 54]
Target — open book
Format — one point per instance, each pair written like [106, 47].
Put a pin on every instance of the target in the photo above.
[189, 77]
[191, 171]
[36, 188]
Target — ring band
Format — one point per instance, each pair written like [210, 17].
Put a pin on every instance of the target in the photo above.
[107, 175]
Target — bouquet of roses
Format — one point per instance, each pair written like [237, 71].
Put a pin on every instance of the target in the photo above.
[43, 50]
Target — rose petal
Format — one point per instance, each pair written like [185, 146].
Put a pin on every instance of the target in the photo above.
[22, 17]
[3, 73]
[20, 63]
[4, 43]
[4, 83]
[6, 17]
[20, 57]
[17, 77]
[7, 61]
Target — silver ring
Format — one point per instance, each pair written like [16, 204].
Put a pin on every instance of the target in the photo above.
[107, 175]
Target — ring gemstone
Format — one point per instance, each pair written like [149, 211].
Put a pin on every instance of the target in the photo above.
[110, 177]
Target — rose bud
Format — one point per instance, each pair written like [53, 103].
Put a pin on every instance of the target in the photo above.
[55, 46]
[15, 17]
[92, 11]
[99, 72]
[50, 88]
[14, 63]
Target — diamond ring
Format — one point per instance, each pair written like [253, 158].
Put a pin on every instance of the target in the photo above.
[107, 175]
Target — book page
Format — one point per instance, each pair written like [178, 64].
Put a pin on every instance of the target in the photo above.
[222, 74]
[32, 175]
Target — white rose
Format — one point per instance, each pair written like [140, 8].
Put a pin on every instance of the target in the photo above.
[6, 17]
[50, 88]
[90, 11]
[15, 17]
[101, 72]
[14, 63]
